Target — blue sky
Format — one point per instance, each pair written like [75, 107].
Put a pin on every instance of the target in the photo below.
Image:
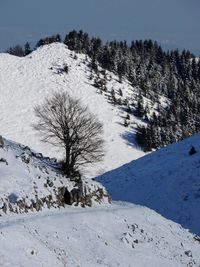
[174, 23]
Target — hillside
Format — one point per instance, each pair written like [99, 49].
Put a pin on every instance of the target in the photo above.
[163, 86]
[157, 74]
[118, 235]
[167, 181]
[25, 82]
[30, 182]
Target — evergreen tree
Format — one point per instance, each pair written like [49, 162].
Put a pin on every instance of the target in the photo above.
[27, 49]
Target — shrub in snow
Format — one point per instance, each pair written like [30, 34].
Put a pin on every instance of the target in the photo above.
[192, 151]
[66, 68]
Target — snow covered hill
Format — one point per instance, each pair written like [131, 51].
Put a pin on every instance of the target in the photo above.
[25, 82]
[167, 181]
[121, 235]
[31, 182]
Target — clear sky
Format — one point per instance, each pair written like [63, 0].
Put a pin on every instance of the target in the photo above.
[173, 23]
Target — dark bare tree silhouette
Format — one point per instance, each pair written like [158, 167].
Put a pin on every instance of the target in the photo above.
[64, 122]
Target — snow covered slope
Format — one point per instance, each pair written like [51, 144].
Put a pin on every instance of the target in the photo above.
[25, 82]
[31, 182]
[103, 235]
[121, 235]
[167, 181]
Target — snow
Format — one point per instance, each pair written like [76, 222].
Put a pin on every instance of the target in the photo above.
[25, 82]
[118, 235]
[30, 177]
[21, 178]
[167, 181]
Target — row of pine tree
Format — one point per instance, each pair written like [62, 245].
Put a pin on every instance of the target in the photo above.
[157, 74]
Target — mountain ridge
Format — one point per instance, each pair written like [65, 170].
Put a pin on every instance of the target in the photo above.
[26, 82]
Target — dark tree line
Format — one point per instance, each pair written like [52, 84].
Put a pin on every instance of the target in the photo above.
[173, 75]
[157, 74]
[20, 51]
[49, 40]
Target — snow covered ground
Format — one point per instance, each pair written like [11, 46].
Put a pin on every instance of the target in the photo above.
[121, 235]
[31, 182]
[25, 82]
[167, 181]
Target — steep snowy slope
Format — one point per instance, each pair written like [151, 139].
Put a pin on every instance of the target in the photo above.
[25, 82]
[120, 235]
[167, 181]
[31, 182]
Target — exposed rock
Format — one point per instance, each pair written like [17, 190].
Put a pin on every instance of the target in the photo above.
[4, 208]
[76, 195]
[25, 158]
[1, 142]
[4, 161]
[39, 184]
[67, 197]
[188, 253]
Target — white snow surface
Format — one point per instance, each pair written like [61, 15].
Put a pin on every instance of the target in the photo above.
[167, 181]
[21, 172]
[27, 175]
[26, 82]
[121, 235]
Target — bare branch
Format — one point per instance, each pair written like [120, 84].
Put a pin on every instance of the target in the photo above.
[63, 121]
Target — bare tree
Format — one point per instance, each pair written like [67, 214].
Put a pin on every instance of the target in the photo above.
[63, 121]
